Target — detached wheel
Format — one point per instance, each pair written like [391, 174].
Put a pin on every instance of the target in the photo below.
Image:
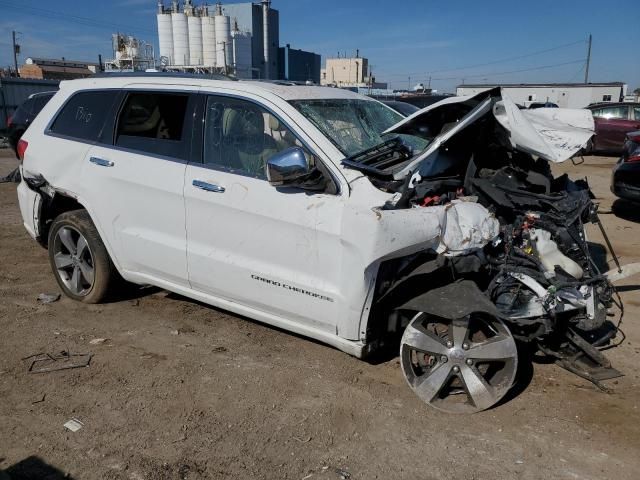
[459, 366]
[79, 259]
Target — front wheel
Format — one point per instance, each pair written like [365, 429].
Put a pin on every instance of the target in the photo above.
[459, 366]
[79, 259]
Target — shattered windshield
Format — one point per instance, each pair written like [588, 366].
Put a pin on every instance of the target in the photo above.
[354, 125]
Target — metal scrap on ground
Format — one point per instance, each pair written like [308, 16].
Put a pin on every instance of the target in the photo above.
[45, 362]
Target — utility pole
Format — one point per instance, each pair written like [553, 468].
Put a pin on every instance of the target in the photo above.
[586, 72]
[16, 50]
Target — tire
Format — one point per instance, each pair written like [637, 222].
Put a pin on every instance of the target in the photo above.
[83, 269]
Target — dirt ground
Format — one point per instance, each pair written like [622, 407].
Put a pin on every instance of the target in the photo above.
[180, 390]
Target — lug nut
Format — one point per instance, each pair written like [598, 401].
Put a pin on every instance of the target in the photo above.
[469, 362]
[444, 359]
[465, 346]
[449, 344]
[456, 368]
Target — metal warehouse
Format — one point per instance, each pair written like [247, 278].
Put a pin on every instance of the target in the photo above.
[565, 95]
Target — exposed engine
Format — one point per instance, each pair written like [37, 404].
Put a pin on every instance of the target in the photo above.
[538, 273]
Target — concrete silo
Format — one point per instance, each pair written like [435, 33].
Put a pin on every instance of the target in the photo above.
[194, 24]
[180, 28]
[208, 39]
[165, 32]
[223, 39]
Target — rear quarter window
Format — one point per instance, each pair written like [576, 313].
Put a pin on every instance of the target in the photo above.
[84, 115]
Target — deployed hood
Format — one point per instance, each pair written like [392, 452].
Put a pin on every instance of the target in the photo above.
[554, 134]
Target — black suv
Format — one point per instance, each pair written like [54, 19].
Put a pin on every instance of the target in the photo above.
[18, 123]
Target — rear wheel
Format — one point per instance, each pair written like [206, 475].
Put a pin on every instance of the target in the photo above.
[459, 366]
[79, 259]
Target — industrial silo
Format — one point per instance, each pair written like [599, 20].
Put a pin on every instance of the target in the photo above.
[195, 39]
[223, 39]
[208, 39]
[165, 33]
[180, 30]
[242, 56]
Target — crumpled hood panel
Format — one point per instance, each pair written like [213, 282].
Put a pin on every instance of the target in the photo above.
[554, 134]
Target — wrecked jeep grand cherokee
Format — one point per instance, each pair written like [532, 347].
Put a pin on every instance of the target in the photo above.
[327, 214]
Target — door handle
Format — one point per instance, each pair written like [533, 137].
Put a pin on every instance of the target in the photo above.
[101, 161]
[208, 187]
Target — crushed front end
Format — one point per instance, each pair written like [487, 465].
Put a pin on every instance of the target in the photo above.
[537, 282]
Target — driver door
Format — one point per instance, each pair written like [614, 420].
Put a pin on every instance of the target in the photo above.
[276, 250]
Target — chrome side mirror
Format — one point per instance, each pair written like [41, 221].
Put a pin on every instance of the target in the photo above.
[287, 167]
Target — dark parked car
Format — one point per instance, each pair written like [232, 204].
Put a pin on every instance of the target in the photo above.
[403, 108]
[543, 105]
[18, 123]
[625, 182]
[613, 122]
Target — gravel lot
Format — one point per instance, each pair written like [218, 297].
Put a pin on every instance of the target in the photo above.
[180, 390]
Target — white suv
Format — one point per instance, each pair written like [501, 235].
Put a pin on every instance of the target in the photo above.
[287, 204]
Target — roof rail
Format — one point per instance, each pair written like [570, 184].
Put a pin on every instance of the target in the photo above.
[207, 76]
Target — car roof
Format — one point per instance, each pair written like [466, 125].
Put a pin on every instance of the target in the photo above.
[285, 90]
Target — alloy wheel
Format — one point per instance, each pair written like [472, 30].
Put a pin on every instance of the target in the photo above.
[459, 366]
[73, 260]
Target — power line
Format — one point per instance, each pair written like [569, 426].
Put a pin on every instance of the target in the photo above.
[88, 22]
[494, 62]
[530, 69]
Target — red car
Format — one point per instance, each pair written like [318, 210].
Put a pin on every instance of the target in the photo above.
[613, 122]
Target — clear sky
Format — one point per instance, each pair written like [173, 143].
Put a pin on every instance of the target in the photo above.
[493, 41]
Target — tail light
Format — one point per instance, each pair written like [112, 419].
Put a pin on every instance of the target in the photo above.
[9, 121]
[631, 151]
[22, 148]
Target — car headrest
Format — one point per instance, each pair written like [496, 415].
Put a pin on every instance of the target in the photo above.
[242, 122]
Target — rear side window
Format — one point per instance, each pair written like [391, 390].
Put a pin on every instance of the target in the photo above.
[152, 122]
[611, 112]
[39, 102]
[636, 113]
[83, 116]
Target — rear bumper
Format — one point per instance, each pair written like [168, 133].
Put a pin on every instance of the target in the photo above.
[30, 203]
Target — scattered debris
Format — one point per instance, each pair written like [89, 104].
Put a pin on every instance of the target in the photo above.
[219, 349]
[98, 341]
[48, 297]
[303, 440]
[175, 332]
[45, 362]
[344, 475]
[74, 425]
[44, 395]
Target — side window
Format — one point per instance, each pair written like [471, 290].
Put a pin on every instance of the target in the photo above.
[83, 116]
[241, 136]
[154, 122]
[636, 112]
[606, 98]
[613, 112]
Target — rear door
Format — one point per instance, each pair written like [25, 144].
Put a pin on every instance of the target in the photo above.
[612, 125]
[276, 250]
[136, 182]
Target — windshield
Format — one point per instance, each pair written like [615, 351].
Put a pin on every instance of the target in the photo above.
[354, 125]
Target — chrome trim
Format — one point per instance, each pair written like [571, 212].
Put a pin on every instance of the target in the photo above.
[208, 187]
[101, 161]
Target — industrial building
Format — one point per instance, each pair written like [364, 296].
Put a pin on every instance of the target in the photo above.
[565, 95]
[130, 54]
[349, 72]
[240, 39]
[298, 65]
[54, 69]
